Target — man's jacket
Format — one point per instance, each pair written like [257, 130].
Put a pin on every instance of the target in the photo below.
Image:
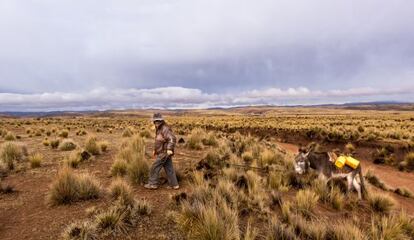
[164, 140]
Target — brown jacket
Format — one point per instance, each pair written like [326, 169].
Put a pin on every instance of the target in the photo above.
[164, 140]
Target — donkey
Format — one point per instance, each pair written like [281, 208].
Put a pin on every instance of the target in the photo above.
[323, 164]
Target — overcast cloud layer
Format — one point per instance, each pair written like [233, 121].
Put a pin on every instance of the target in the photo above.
[90, 54]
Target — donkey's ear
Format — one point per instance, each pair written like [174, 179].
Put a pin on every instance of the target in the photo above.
[302, 149]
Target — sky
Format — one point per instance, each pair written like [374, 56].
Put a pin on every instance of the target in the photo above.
[107, 54]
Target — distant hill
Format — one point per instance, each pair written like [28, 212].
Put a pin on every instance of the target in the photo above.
[380, 106]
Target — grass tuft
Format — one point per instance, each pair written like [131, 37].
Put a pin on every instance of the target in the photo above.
[69, 187]
[67, 145]
[36, 160]
[380, 203]
[305, 201]
[10, 154]
[92, 146]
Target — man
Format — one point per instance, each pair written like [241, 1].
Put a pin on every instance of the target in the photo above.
[163, 151]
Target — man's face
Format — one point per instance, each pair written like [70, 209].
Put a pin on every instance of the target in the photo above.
[157, 123]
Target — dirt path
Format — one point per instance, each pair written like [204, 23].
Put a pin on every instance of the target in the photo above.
[389, 175]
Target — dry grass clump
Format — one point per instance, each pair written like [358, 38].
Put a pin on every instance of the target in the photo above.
[67, 145]
[127, 133]
[408, 163]
[269, 157]
[302, 227]
[80, 230]
[7, 189]
[276, 181]
[280, 231]
[345, 231]
[119, 167]
[36, 160]
[145, 134]
[119, 189]
[201, 222]
[54, 143]
[392, 227]
[69, 187]
[124, 214]
[328, 194]
[46, 142]
[349, 148]
[131, 160]
[380, 203]
[64, 134]
[75, 158]
[9, 136]
[210, 139]
[104, 146]
[404, 192]
[138, 169]
[305, 201]
[10, 154]
[195, 138]
[92, 145]
[374, 180]
[81, 132]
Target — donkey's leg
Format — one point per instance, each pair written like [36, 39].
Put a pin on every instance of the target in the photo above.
[349, 181]
[357, 186]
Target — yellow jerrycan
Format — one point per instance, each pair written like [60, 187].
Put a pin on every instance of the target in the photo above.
[340, 161]
[352, 162]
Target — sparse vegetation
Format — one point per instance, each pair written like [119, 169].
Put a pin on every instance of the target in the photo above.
[237, 176]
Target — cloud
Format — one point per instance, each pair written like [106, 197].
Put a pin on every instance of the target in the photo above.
[215, 46]
[179, 97]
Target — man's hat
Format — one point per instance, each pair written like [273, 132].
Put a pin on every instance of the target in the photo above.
[157, 117]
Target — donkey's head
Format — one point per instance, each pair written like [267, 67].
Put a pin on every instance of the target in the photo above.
[301, 162]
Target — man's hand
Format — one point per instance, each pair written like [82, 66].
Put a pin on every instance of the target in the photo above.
[170, 152]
